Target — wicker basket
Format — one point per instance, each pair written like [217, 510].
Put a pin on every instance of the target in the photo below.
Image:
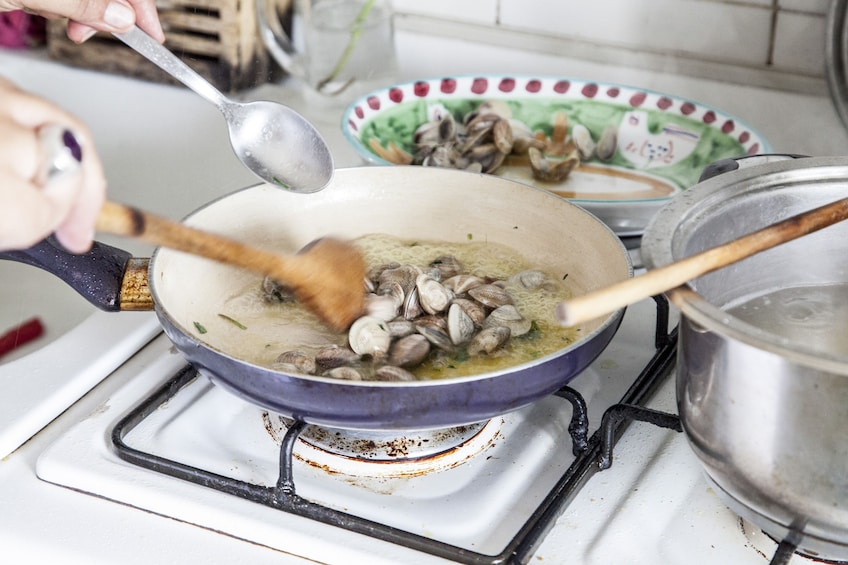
[217, 38]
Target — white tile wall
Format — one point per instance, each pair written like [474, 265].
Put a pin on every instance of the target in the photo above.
[775, 43]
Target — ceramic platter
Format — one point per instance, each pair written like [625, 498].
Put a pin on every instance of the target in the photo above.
[662, 142]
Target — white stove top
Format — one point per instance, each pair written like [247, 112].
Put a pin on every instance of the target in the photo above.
[652, 506]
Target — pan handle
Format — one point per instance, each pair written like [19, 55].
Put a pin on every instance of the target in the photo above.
[98, 275]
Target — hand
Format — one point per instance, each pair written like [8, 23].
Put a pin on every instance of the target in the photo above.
[69, 205]
[88, 16]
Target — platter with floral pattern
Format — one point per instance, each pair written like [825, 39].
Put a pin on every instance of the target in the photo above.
[661, 143]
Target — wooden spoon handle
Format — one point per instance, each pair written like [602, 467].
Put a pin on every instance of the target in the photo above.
[607, 300]
[120, 219]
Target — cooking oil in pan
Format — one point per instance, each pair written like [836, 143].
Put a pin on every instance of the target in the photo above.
[816, 316]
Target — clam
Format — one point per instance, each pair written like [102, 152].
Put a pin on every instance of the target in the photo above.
[583, 141]
[344, 373]
[447, 265]
[488, 340]
[333, 356]
[400, 328]
[404, 275]
[472, 309]
[551, 170]
[412, 305]
[295, 362]
[409, 351]
[497, 107]
[383, 306]
[460, 325]
[444, 156]
[369, 336]
[502, 136]
[373, 274]
[436, 336]
[508, 316]
[435, 132]
[432, 295]
[394, 374]
[530, 279]
[607, 143]
[460, 284]
[490, 295]
[488, 155]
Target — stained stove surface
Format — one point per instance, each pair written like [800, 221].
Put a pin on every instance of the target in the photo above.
[651, 506]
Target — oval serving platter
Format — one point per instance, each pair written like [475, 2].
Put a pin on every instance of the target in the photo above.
[662, 142]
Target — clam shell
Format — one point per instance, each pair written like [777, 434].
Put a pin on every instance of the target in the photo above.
[369, 336]
[582, 138]
[436, 336]
[460, 325]
[488, 340]
[460, 284]
[473, 309]
[607, 143]
[344, 373]
[447, 265]
[295, 361]
[333, 356]
[490, 295]
[409, 351]
[432, 295]
[508, 316]
[393, 374]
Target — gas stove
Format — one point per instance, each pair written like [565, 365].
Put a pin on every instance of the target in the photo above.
[596, 473]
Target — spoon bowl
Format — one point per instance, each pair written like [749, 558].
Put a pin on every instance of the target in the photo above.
[279, 145]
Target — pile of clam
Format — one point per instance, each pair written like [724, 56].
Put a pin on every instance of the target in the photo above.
[486, 138]
[416, 315]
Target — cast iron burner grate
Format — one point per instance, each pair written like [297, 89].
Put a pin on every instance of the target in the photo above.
[591, 455]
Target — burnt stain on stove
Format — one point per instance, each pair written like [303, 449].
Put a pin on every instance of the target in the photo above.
[400, 449]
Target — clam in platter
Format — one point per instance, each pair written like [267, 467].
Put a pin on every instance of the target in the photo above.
[617, 151]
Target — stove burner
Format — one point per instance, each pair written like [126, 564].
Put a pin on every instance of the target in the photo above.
[374, 453]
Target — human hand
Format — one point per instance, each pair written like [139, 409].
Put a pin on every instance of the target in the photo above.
[88, 16]
[67, 206]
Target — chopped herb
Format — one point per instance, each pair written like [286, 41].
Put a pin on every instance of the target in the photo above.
[470, 236]
[515, 227]
[234, 322]
[565, 276]
[280, 183]
[200, 328]
[534, 333]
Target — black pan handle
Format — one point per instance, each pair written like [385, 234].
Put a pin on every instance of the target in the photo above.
[97, 275]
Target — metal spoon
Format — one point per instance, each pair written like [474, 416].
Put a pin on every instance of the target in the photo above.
[272, 140]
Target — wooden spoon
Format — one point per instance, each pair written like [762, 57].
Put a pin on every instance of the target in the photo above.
[326, 275]
[607, 300]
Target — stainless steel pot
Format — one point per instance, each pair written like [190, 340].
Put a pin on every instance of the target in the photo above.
[765, 405]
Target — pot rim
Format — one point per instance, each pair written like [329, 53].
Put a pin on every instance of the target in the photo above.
[659, 249]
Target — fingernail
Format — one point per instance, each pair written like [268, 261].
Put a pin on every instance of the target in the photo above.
[87, 35]
[119, 15]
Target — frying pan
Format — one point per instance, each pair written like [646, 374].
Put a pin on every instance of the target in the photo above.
[411, 203]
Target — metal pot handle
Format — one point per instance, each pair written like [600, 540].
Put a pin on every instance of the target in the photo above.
[98, 275]
[735, 163]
